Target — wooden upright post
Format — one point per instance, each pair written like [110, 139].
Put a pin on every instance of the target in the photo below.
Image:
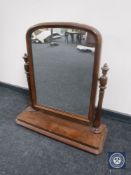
[103, 82]
[26, 67]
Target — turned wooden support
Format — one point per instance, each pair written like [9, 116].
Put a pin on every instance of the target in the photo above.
[103, 82]
[26, 66]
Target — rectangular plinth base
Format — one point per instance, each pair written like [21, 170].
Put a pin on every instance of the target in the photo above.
[69, 132]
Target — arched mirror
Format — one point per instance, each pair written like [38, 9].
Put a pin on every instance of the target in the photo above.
[62, 66]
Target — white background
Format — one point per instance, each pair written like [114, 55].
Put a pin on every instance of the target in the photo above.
[111, 17]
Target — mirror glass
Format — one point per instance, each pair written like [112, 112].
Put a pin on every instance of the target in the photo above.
[63, 60]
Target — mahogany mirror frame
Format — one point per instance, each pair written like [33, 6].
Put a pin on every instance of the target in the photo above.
[97, 36]
[92, 122]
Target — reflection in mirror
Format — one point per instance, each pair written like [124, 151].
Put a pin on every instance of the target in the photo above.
[63, 62]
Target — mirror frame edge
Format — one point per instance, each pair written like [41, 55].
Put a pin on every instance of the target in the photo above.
[95, 75]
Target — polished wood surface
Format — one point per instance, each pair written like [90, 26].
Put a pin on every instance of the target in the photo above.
[72, 133]
[86, 133]
[103, 82]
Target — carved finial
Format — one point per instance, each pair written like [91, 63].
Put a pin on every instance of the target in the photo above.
[103, 78]
[105, 69]
[25, 57]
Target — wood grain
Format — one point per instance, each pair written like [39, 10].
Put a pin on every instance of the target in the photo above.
[72, 133]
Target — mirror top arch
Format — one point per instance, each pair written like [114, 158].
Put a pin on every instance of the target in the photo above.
[86, 27]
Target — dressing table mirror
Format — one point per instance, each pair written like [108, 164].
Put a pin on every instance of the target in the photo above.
[62, 68]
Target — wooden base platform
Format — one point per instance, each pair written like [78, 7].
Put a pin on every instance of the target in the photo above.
[69, 132]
